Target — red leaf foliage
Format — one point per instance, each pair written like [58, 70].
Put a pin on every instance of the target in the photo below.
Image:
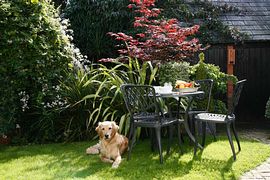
[161, 40]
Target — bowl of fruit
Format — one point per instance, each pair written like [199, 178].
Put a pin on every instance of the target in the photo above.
[185, 87]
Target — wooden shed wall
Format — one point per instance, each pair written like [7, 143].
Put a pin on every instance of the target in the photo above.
[252, 63]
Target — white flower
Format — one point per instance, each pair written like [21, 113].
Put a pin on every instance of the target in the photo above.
[24, 100]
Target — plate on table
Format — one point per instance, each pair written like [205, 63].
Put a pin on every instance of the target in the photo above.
[165, 93]
[163, 89]
[187, 90]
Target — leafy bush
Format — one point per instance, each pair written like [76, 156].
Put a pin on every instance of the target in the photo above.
[203, 70]
[172, 71]
[91, 20]
[34, 51]
[267, 109]
[218, 106]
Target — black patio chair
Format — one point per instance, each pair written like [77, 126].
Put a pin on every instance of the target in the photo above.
[206, 85]
[228, 119]
[145, 111]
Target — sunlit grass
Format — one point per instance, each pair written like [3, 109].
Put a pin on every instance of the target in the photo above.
[68, 161]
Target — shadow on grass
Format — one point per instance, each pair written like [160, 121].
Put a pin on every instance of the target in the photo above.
[145, 164]
[69, 161]
[9, 153]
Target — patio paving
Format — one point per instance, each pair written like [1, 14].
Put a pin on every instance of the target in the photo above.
[262, 171]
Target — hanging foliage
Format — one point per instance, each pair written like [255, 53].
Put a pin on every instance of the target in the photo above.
[207, 15]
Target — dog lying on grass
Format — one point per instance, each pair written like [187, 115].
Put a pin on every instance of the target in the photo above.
[111, 144]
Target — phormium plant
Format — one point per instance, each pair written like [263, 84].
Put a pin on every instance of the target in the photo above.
[94, 95]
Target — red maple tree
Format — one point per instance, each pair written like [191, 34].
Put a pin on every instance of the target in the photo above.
[162, 40]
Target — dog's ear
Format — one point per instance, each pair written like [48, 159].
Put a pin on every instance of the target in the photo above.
[100, 134]
[116, 127]
[98, 127]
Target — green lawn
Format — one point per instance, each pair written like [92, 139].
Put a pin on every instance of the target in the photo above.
[69, 161]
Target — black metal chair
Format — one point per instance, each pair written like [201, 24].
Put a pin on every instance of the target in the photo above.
[206, 85]
[145, 111]
[228, 119]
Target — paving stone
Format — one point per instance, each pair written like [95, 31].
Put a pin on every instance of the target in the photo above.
[248, 174]
[263, 170]
[266, 174]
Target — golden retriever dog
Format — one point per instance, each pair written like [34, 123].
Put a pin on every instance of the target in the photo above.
[111, 144]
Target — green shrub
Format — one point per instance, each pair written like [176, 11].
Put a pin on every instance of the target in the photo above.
[203, 70]
[91, 20]
[217, 106]
[34, 51]
[267, 109]
[172, 71]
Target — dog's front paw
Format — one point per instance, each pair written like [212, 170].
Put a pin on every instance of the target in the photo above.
[115, 165]
[92, 150]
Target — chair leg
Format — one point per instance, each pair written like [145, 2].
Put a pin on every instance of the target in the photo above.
[191, 123]
[131, 129]
[230, 140]
[131, 143]
[159, 143]
[212, 131]
[236, 136]
[179, 138]
[203, 133]
[170, 138]
[196, 140]
[180, 133]
[152, 140]
[182, 137]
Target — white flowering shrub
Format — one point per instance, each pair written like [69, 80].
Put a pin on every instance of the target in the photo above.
[35, 51]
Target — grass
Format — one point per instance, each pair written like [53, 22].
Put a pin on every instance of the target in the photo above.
[68, 161]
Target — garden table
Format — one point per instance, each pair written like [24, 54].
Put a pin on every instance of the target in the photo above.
[179, 95]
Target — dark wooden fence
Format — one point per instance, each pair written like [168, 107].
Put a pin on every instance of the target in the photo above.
[252, 63]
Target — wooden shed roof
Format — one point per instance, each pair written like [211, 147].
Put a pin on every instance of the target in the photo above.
[252, 18]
